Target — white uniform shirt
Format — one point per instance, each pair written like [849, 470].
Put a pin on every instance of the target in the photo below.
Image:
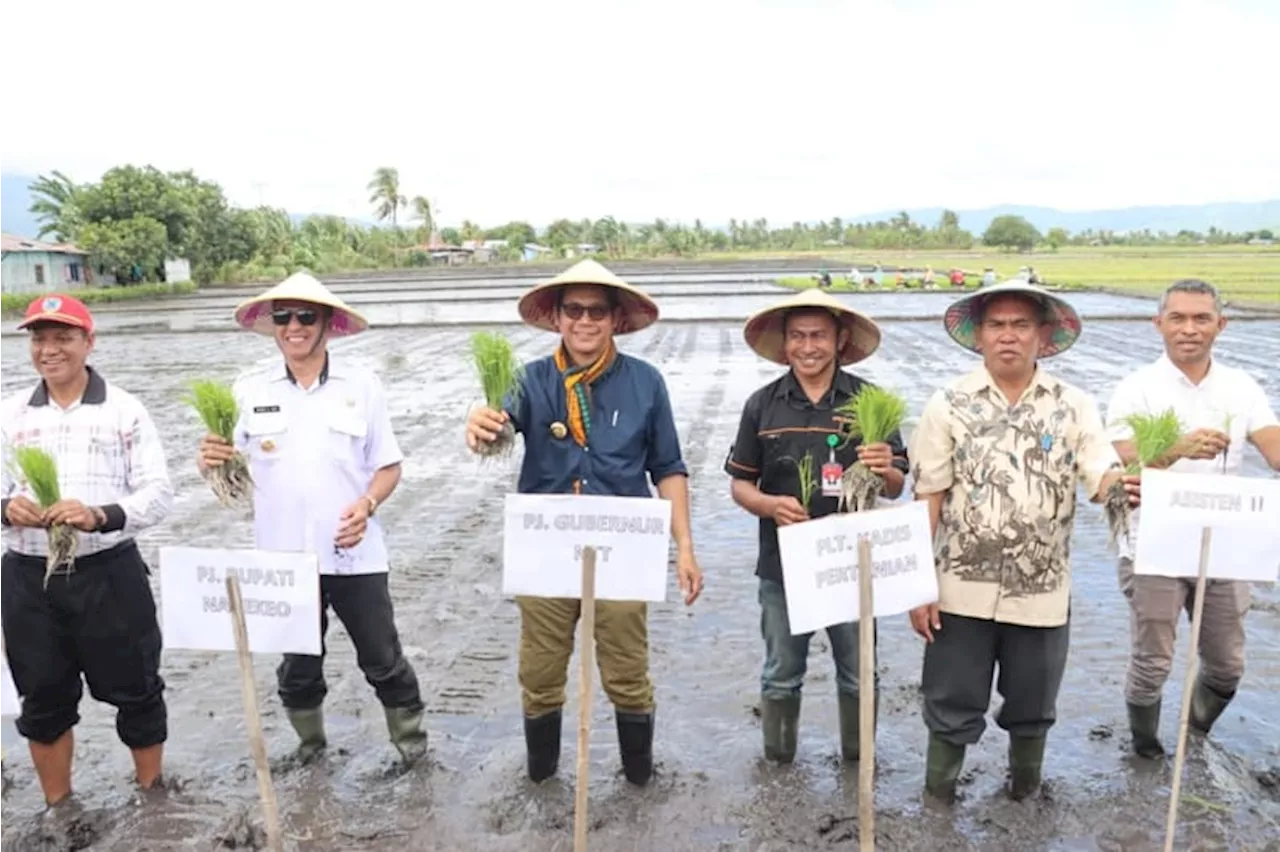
[108, 454]
[1225, 395]
[312, 453]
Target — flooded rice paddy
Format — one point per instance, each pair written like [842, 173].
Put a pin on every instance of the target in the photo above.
[711, 790]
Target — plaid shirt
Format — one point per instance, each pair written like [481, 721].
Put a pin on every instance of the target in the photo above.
[108, 453]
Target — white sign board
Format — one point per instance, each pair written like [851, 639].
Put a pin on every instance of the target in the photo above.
[10, 704]
[820, 565]
[1243, 512]
[280, 591]
[543, 536]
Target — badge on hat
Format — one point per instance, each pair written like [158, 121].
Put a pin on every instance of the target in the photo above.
[51, 304]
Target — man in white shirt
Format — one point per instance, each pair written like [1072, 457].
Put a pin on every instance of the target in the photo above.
[1223, 407]
[323, 458]
[98, 618]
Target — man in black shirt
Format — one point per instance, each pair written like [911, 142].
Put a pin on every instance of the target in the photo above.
[814, 334]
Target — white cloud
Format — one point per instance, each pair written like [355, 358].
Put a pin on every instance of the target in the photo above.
[703, 108]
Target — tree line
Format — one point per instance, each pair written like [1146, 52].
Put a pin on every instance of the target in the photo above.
[135, 218]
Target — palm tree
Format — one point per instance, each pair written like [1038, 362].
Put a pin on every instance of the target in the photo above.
[54, 199]
[386, 196]
[422, 212]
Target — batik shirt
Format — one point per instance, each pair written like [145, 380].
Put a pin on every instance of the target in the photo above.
[1003, 544]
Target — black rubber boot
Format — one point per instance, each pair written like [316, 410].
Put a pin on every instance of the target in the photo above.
[1207, 705]
[635, 741]
[942, 769]
[851, 725]
[1144, 725]
[542, 740]
[780, 721]
[1026, 757]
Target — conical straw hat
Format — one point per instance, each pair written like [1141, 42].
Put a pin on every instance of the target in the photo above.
[255, 314]
[962, 317]
[765, 334]
[538, 306]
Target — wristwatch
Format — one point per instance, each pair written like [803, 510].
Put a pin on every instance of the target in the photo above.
[99, 517]
[373, 504]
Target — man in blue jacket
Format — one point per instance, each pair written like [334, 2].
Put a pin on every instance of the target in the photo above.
[595, 421]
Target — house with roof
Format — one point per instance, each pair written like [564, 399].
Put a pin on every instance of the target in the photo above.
[34, 266]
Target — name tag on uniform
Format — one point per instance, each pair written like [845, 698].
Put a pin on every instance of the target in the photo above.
[266, 409]
[832, 474]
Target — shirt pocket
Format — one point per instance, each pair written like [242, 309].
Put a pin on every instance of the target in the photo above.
[347, 432]
[268, 435]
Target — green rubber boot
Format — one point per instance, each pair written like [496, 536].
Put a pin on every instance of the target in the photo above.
[781, 718]
[309, 725]
[1207, 705]
[405, 727]
[942, 768]
[1026, 756]
[851, 725]
[1144, 725]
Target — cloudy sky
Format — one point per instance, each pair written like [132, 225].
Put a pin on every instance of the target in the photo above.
[785, 109]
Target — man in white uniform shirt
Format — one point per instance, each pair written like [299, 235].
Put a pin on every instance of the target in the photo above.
[98, 619]
[1223, 407]
[324, 458]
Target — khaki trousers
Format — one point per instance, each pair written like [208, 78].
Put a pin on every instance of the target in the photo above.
[1155, 603]
[547, 627]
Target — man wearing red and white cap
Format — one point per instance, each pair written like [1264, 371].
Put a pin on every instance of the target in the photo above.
[97, 620]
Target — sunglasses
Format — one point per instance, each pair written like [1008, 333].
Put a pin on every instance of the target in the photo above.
[574, 311]
[306, 316]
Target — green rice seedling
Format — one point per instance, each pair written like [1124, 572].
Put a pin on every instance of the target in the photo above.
[500, 375]
[231, 482]
[808, 480]
[1154, 438]
[875, 413]
[40, 471]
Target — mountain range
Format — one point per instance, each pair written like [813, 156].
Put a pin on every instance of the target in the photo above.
[1236, 216]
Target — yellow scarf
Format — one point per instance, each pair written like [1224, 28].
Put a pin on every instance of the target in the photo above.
[577, 388]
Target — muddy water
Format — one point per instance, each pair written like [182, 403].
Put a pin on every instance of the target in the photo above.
[710, 789]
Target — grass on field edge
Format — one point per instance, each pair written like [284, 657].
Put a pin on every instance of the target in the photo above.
[15, 304]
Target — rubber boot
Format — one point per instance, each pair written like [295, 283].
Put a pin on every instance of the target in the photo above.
[1207, 705]
[1026, 756]
[942, 768]
[780, 718]
[1144, 724]
[309, 725]
[635, 742]
[851, 725]
[405, 727]
[542, 741]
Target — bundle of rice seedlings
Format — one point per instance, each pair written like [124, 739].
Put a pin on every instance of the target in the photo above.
[230, 481]
[1154, 437]
[876, 413]
[808, 481]
[41, 472]
[500, 373]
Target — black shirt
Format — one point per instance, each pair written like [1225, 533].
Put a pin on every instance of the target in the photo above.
[779, 425]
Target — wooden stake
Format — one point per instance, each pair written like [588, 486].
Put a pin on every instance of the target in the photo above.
[586, 653]
[1171, 824]
[866, 702]
[249, 691]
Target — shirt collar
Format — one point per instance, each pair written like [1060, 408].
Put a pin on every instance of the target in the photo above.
[325, 372]
[1170, 369]
[841, 382]
[95, 392]
[981, 379]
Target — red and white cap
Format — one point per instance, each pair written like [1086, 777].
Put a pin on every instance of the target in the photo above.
[55, 307]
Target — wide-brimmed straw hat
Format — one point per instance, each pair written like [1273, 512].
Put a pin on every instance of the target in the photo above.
[765, 334]
[538, 306]
[255, 314]
[961, 318]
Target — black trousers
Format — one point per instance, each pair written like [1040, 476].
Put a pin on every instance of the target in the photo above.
[363, 603]
[959, 665]
[99, 622]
